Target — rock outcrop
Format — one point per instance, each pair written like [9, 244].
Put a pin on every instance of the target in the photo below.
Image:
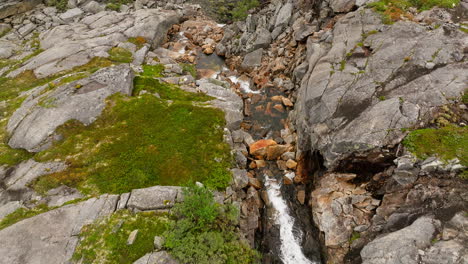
[52, 237]
[32, 126]
[361, 89]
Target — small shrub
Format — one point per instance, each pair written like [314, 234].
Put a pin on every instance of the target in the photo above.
[205, 232]
[105, 241]
[447, 143]
[242, 7]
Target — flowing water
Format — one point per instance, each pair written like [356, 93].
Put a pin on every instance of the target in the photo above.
[291, 252]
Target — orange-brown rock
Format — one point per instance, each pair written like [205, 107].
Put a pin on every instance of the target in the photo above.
[258, 148]
[260, 163]
[256, 183]
[287, 102]
[275, 151]
[287, 180]
[291, 164]
[279, 108]
[277, 98]
[301, 196]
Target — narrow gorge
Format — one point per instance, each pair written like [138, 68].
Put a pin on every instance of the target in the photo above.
[234, 131]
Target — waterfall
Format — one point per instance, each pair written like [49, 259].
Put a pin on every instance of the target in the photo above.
[291, 252]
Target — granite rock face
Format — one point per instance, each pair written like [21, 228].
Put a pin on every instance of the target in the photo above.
[362, 90]
[51, 237]
[32, 126]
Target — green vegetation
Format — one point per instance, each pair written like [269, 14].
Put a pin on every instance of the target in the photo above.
[2, 34]
[465, 97]
[153, 71]
[10, 88]
[119, 54]
[105, 241]
[394, 10]
[61, 5]
[189, 69]
[354, 236]
[143, 141]
[382, 98]
[342, 65]
[446, 143]
[205, 232]
[23, 213]
[138, 41]
[242, 7]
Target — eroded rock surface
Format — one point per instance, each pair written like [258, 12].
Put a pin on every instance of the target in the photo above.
[32, 126]
[361, 90]
[51, 237]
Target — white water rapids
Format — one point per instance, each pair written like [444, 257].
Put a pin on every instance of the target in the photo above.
[291, 252]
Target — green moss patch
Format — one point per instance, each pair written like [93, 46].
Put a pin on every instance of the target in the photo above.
[21, 214]
[189, 69]
[143, 141]
[138, 41]
[446, 143]
[394, 10]
[119, 54]
[205, 232]
[105, 241]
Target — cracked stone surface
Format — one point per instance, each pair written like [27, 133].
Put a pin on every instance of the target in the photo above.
[32, 126]
[51, 237]
[362, 89]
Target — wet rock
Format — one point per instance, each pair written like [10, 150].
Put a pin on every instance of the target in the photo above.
[275, 151]
[259, 148]
[256, 183]
[291, 164]
[57, 237]
[153, 198]
[402, 244]
[32, 126]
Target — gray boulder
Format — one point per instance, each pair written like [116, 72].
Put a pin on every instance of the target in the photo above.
[226, 100]
[160, 257]
[153, 198]
[284, 15]
[263, 39]
[71, 15]
[401, 246]
[33, 125]
[252, 60]
[51, 237]
[354, 99]
[93, 7]
[341, 6]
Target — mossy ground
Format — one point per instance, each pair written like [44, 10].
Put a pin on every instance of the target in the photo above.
[105, 241]
[21, 214]
[122, 55]
[447, 143]
[394, 10]
[143, 141]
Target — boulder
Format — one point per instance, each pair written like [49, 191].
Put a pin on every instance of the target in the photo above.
[33, 125]
[51, 237]
[341, 6]
[252, 60]
[259, 148]
[160, 257]
[401, 246]
[93, 7]
[240, 178]
[154, 198]
[263, 39]
[284, 15]
[13, 7]
[71, 15]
